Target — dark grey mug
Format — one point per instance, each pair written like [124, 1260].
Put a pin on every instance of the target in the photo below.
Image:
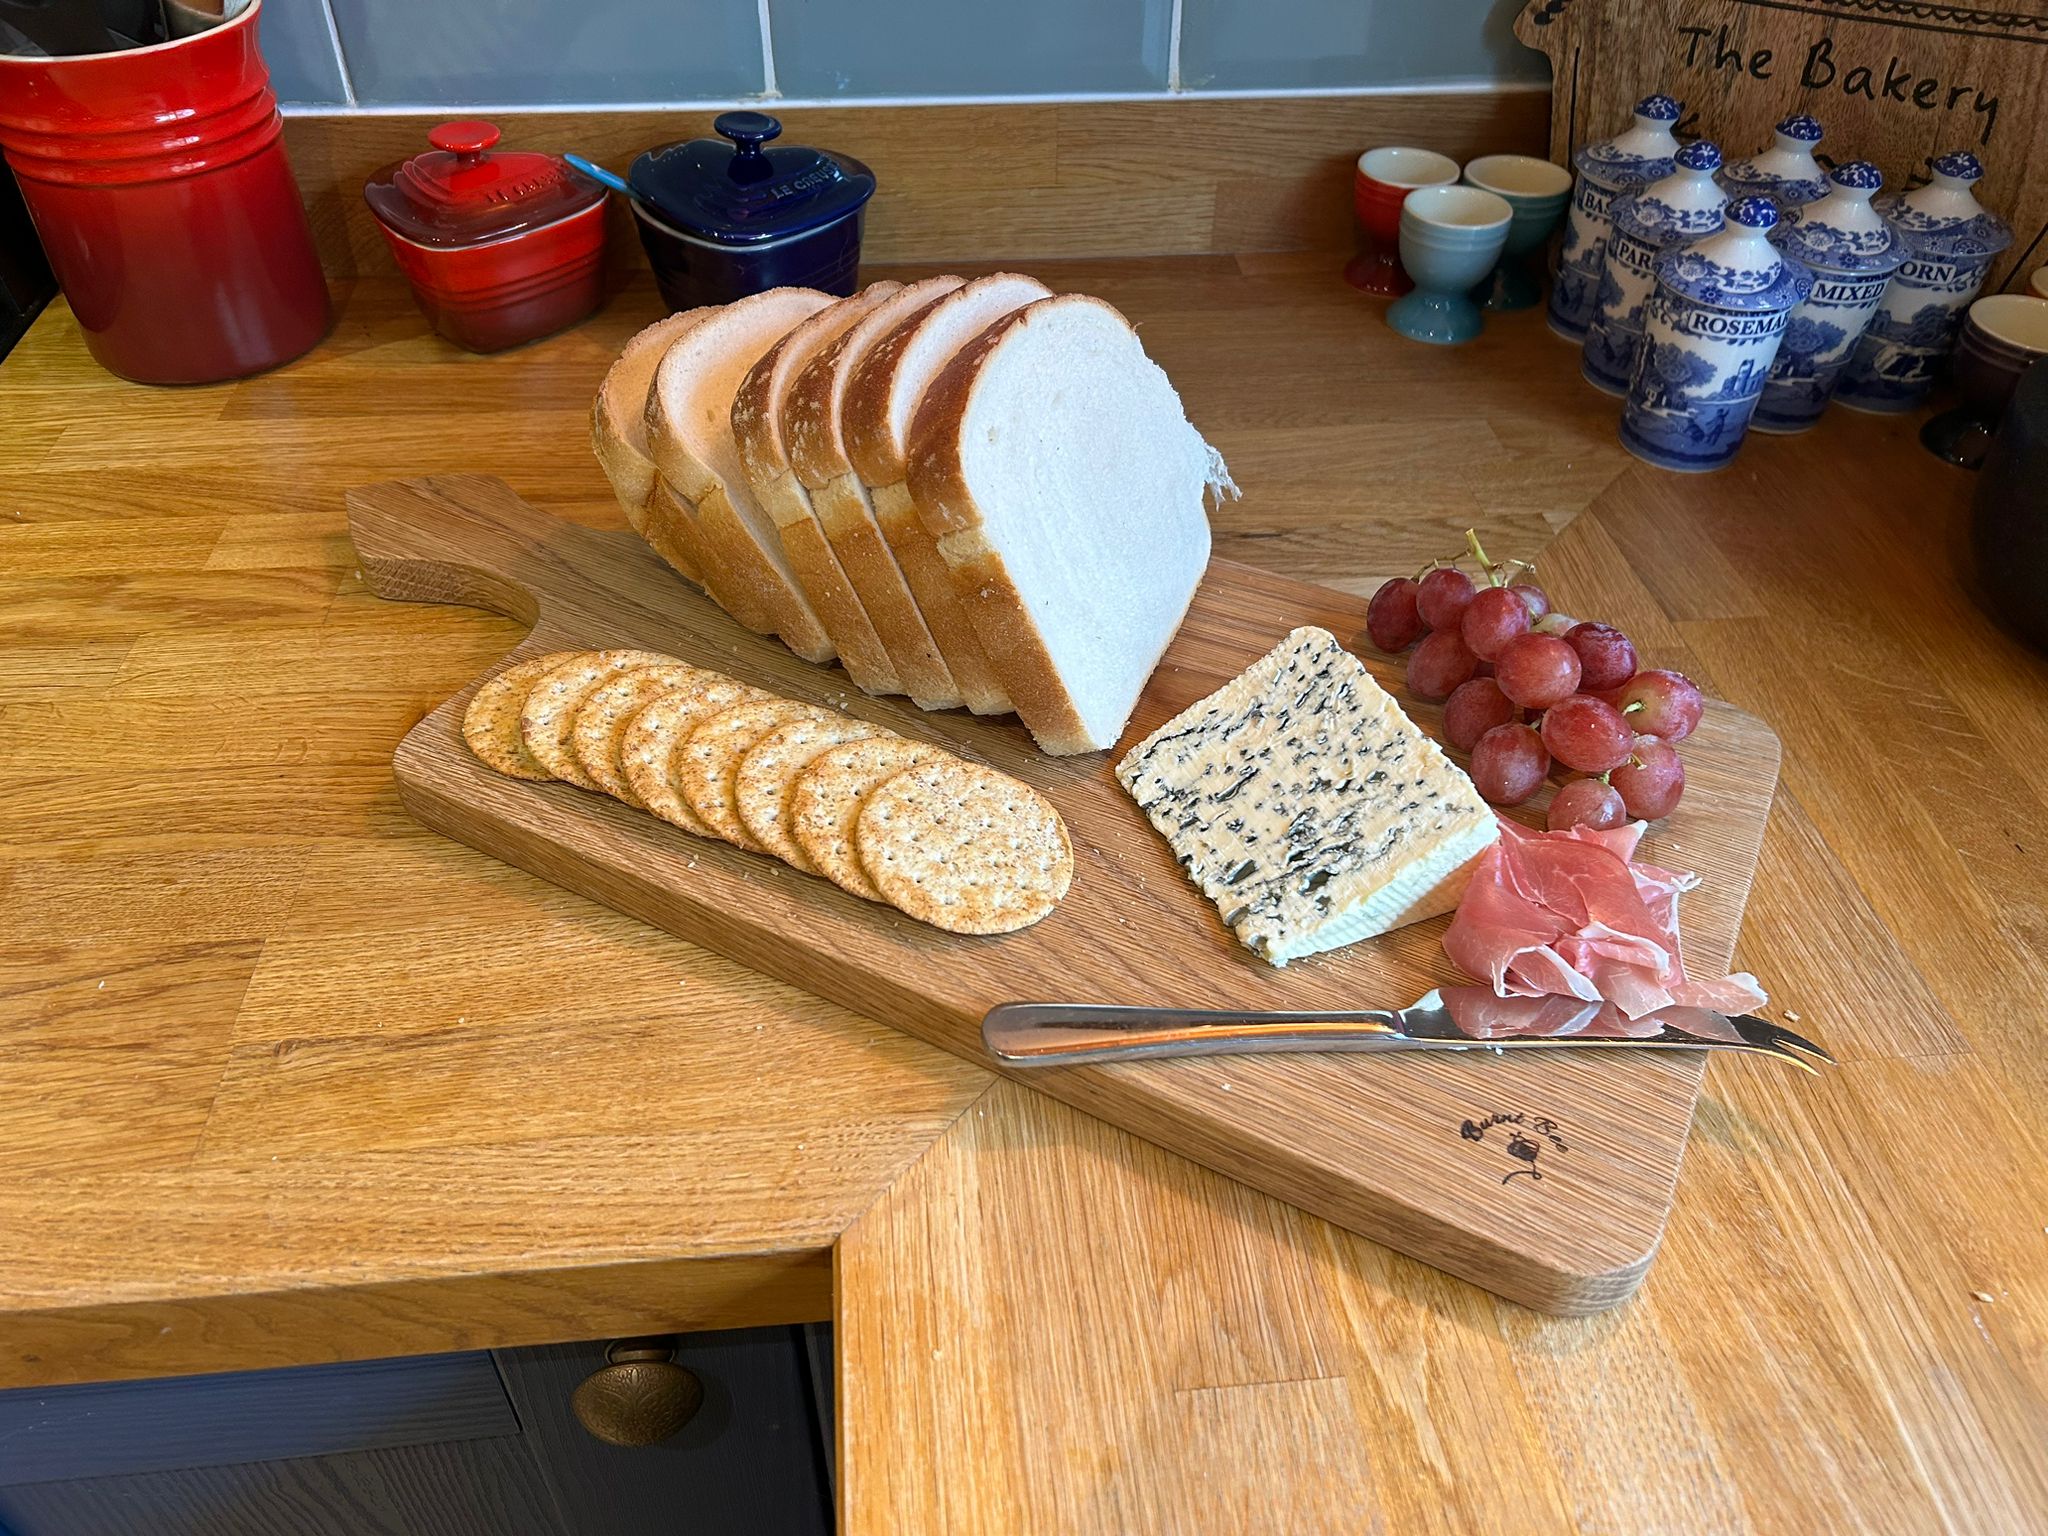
[2009, 519]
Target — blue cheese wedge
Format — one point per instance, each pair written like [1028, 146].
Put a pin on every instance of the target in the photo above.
[1307, 806]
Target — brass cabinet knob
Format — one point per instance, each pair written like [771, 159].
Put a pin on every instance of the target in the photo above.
[640, 1396]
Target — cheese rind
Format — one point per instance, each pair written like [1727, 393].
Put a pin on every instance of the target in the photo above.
[1307, 806]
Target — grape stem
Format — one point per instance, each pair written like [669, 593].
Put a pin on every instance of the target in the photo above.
[1497, 574]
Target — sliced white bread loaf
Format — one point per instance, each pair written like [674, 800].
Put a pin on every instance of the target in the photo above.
[618, 428]
[1067, 490]
[817, 451]
[759, 415]
[875, 420]
[689, 432]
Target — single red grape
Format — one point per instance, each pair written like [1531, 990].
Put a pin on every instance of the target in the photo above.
[1667, 705]
[1584, 733]
[1475, 708]
[1651, 781]
[1586, 803]
[1536, 671]
[1493, 618]
[1441, 597]
[1535, 597]
[1439, 665]
[1509, 764]
[1607, 657]
[1391, 620]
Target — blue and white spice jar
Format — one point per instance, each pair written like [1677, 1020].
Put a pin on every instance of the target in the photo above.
[1712, 330]
[1852, 251]
[1950, 243]
[1686, 205]
[1786, 173]
[1616, 165]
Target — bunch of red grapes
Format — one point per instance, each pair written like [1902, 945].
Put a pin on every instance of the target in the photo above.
[1526, 689]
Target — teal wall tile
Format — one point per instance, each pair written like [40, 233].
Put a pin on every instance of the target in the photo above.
[1284, 44]
[855, 48]
[455, 52]
[299, 51]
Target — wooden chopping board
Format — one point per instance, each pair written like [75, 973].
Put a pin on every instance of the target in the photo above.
[1410, 1150]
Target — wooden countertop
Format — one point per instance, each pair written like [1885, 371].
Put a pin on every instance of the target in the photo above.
[291, 1079]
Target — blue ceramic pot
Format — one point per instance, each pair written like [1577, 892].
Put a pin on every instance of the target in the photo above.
[1851, 252]
[1615, 165]
[1950, 243]
[723, 218]
[1714, 326]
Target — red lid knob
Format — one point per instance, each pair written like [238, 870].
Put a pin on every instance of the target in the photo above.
[471, 136]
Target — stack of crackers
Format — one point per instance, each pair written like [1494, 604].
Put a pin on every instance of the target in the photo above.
[948, 842]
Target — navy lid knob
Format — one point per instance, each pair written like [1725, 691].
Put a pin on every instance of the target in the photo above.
[1659, 108]
[747, 130]
[1699, 155]
[1800, 126]
[1753, 212]
[1959, 163]
[1860, 174]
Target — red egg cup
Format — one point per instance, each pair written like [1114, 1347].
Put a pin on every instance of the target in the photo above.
[1379, 187]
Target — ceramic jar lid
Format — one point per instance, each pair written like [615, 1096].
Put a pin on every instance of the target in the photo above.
[1642, 153]
[460, 193]
[1787, 171]
[1842, 232]
[1681, 206]
[1944, 219]
[1738, 269]
[735, 190]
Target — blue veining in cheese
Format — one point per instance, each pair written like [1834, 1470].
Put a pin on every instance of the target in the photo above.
[1307, 806]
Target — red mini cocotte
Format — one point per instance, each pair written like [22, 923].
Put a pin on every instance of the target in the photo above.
[501, 248]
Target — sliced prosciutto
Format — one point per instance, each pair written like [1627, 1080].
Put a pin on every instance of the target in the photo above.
[1570, 915]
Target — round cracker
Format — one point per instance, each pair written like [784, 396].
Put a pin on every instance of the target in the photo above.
[825, 801]
[964, 848]
[600, 728]
[709, 756]
[648, 749]
[549, 714]
[491, 723]
[761, 784]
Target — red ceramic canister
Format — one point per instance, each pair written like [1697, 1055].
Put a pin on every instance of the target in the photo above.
[499, 248]
[158, 182]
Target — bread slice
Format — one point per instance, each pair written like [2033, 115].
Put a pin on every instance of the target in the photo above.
[1052, 460]
[618, 427]
[875, 421]
[817, 451]
[758, 419]
[689, 433]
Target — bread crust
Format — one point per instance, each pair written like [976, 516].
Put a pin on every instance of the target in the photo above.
[626, 465]
[849, 525]
[945, 614]
[757, 419]
[673, 534]
[879, 457]
[938, 486]
[817, 448]
[736, 571]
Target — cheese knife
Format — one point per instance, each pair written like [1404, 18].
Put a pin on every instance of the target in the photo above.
[1448, 1019]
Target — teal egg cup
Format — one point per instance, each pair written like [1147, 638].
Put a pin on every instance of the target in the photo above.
[1538, 191]
[1451, 237]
